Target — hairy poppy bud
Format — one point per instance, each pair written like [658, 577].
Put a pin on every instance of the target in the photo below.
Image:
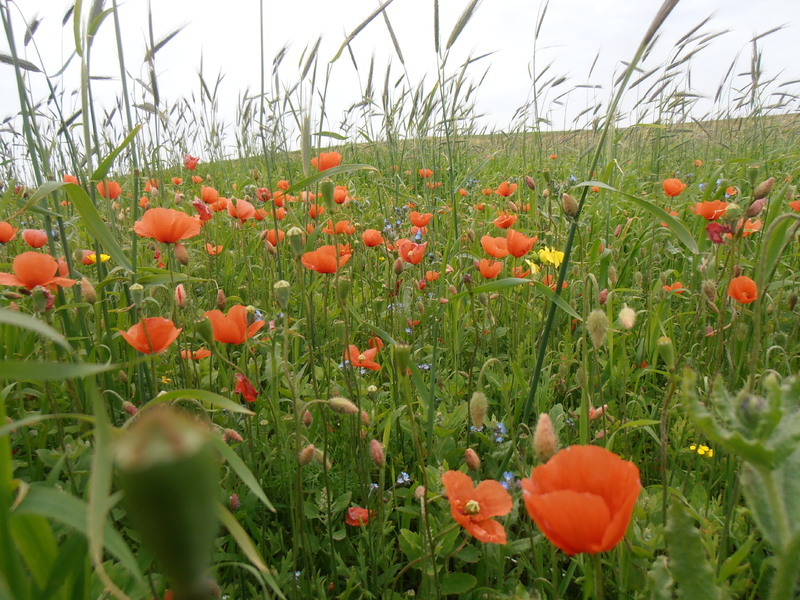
[365, 418]
[180, 296]
[319, 458]
[256, 174]
[281, 289]
[399, 265]
[710, 291]
[627, 317]
[137, 294]
[87, 291]
[306, 455]
[181, 254]
[602, 297]
[130, 408]
[233, 502]
[342, 405]
[570, 205]
[472, 459]
[546, 193]
[270, 248]
[419, 493]
[756, 207]
[530, 182]
[377, 454]
[221, 299]
[612, 275]
[478, 407]
[597, 324]
[231, 435]
[545, 443]
[178, 198]
[307, 418]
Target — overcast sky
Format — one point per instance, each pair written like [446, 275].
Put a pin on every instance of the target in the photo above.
[226, 35]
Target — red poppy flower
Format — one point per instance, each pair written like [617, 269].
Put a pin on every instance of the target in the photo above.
[202, 209]
[362, 359]
[505, 189]
[208, 194]
[7, 232]
[233, 328]
[326, 160]
[315, 211]
[411, 252]
[372, 238]
[197, 179]
[582, 499]
[213, 250]
[241, 210]
[673, 187]
[550, 281]
[553, 156]
[730, 191]
[70, 179]
[795, 205]
[144, 202]
[190, 162]
[152, 335]
[283, 184]
[325, 259]
[263, 194]
[340, 194]
[715, 231]
[196, 355]
[743, 289]
[711, 211]
[358, 517]
[494, 246]
[109, 189]
[473, 507]
[167, 225]
[432, 275]
[676, 287]
[151, 186]
[177, 181]
[520, 272]
[505, 220]
[462, 192]
[32, 269]
[35, 238]
[245, 388]
[420, 219]
[518, 243]
[747, 228]
[342, 228]
[273, 237]
[489, 268]
[425, 173]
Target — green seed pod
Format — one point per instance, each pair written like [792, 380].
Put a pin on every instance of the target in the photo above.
[295, 236]
[327, 188]
[343, 287]
[666, 350]
[206, 330]
[169, 474]
[137, 293]
[281, 289]
[402, 353]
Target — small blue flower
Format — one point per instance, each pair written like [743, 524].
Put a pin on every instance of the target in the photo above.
[476, 429]
[424, 367]
[701, 186]
[408, 330]
[573, 179]
[509, 481]
[403, 478]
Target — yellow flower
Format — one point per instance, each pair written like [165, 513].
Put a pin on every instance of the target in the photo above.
[534, 267]
[165, 379]
[551, 256]
[702, 450]
[93, 258]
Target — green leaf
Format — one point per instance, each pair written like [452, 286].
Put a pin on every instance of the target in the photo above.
[203, 396]
[358, 29]
[317, 177]
[23, 370]
[688, 562]
[18, 319]
[457, 583]
[94, 224]
[410, 544]
[242, 470]
[508, 282]
[30, 420]
[779, 234]
[35, 543]
[102, 170]
[659, 580]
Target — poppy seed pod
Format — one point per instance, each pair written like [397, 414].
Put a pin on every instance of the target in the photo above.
[478, 407]
[472, 459]
[570, 205]
[281, 289]
[205, 329]
[597, 323]
[377, 454]
[343, 288]
[295, 235]
[327, 188]
[402, 354]
[545, 443]
[666, 349]
[137, 294]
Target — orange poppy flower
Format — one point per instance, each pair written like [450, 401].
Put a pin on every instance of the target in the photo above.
[342, 228]
[747, 228]
[730, 191]
[411, 252]
[505, 220]
[595, 189]
[420, 219]
[358, 517]
[197, 179]
[550, 281]
[152, 335]
[233, 328]
[553, 156]
[494, 246]
[462, 192]
[144, 202]
[220, 205]
[479, 206]
[35, 238]
[7, 232]
[473, 507]
[487, 191]
[283, 184]
[711, 211]
[151, 186]
[698, 163]
[505, 189]
[315, 211]
[340, 194]
[365, 360]
[676, 287]
[242, 210]
[582, 499]
[208, 194]
[673, 187]
[795, 205]
[190, 162]
[213, 250]
[325, 259]
[326, 160]
[70, 179]
[520, 272]
[489, 268]
[425, 173]
[196, 355]
[743, 289]
[32, 269]
[372, 238]
[177, 181]
[518, 243]
[167, 225]
[109, 189]
[273, 238]
[434, 185]
[432, 275]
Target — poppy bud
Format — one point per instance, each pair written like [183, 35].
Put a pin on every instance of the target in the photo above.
[597, 324]
[365, 418]
[478, 407]
[627, 317]
[281, 289]
[666, 350]
[399, 265]
[231, 435]
[710, 291]
[181, 254]
[307, 418]
[137, 294]
[546, 193]
[124, 378]
[342, 405]
[221, 299]
[618, 230]
[306, 455]
[512, 207]
[792, 301]
[319, 458]
[530, 182]
[295, 237]
[470, 235]
[327, 188]
[402, 354]
[452, 289]
[638, 278]
[372, 390]
[569, 205]
[87, 291]
[545, 443]
[270, 248]
[737, 271]
[233, 502]
[602, 297]
[756, 207]
[180, 296]
[733, 211]
[612, 275]
[472, 459]
[178, 198]
[129, 408]
[343, 288]
[205, 330]
[168, 472]
[376, 452]
[419, 493]
[256, 174]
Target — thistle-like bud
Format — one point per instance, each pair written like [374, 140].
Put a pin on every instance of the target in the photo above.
[295, 237]
[530, 182]
[282, 289]
[597, 323]
[87, 291]
[472, 459]
[137, 294]
[399, 265]
[377, 454]
[342, 405]
[222, 301]
[306, 455]
[545, 443]
[180, 296]
[478, 407]
[627, 317]
[570, 205]
[710, 291]
[181, 254]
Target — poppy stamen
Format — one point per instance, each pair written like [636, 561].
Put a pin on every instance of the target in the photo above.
[472, 507]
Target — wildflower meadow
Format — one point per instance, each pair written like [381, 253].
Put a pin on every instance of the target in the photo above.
[396, 355]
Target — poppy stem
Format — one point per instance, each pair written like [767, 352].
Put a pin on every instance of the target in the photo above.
[597, 565]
